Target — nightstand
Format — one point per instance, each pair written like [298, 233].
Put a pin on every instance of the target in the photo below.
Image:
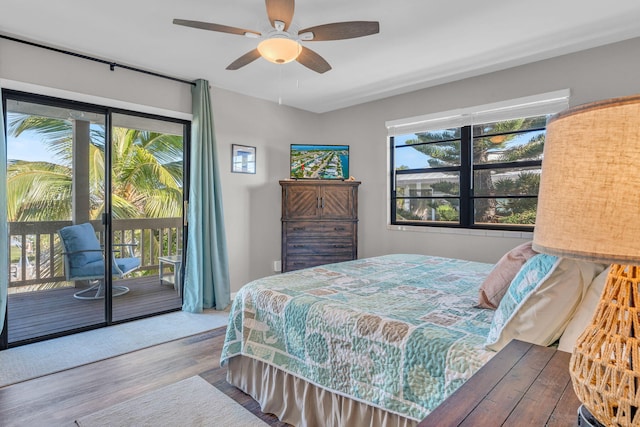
[173, 278]
[524, 384]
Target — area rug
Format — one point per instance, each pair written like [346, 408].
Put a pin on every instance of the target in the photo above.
[46, 357]
[190, 402]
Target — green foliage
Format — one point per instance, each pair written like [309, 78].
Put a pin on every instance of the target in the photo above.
[147, 178]
[38, 191]
[447, 212]
[446, 187]
[531, 150]
[527, 183]
[518, 210]
[521, 218]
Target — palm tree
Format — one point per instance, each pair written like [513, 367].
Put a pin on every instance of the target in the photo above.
[146, 182]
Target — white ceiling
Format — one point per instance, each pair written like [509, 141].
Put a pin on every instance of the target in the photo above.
[421, 42]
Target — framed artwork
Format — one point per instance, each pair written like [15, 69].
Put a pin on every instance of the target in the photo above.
[243, 159]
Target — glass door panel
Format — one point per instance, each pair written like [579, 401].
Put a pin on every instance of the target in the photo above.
[55, 178]
[147, 157]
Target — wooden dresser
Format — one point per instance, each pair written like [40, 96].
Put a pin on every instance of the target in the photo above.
[319, 222]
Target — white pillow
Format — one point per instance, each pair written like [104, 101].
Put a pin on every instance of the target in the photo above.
[540, 301]
[583, 315]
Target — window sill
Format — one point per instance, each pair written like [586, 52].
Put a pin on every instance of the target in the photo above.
[463, 231]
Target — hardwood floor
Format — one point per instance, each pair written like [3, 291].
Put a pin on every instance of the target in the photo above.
[59, 399]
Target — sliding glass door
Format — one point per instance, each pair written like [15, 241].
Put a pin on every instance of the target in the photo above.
[118, 173]
[55, 166]
[147, 165]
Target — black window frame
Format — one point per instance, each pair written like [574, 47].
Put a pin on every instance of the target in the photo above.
[466, 194]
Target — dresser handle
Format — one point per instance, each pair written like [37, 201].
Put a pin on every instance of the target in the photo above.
[298, 228]
[298, 246]
[339, 229]
[339, 246]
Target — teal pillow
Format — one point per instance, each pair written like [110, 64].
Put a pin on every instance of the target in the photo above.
[531, 275]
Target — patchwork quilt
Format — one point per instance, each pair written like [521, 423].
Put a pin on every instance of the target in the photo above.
[398, 332]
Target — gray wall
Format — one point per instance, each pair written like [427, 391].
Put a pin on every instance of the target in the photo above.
[594, 74]
[252, 202]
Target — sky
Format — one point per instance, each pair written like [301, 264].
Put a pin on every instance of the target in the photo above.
[27, 147]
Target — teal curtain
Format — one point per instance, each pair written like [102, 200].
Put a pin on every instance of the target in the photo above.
[4, 246]
[206, 281]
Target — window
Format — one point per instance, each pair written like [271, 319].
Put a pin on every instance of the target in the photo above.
[482, 172]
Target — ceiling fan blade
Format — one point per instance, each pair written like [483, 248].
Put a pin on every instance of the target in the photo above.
[245, 59]
[214, 27]
[342, 30]
[313, 61]
[280, 10]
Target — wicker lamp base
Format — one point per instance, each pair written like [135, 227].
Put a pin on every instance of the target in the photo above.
[605, 365]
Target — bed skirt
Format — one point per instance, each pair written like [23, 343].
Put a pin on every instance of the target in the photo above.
[299, 403]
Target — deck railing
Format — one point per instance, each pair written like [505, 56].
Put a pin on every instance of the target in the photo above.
[36, 255]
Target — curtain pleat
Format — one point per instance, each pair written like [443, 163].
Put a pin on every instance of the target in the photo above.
[206, 282]
[4, 238]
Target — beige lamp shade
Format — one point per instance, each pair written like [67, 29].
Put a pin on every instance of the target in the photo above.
[279, 50]
[589, 197]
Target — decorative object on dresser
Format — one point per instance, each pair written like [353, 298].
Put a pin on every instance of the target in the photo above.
[319, 222]
[588, 209]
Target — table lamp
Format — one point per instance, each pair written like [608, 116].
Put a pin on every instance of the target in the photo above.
[589, 209]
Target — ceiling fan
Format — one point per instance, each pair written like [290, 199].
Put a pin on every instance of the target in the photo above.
[281, 46]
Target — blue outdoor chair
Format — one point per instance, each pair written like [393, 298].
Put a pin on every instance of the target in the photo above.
[84, 260]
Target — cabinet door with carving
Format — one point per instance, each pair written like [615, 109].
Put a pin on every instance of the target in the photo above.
[301, 202]
[337, 202]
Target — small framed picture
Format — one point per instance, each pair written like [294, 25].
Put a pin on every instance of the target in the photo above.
[243, 159]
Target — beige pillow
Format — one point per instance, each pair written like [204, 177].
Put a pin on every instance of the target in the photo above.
[584, 313]
[497, 282]
[543, 314]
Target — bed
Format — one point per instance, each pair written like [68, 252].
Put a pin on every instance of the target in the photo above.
[382, 341]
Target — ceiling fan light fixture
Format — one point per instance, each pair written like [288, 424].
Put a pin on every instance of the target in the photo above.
[279, 50]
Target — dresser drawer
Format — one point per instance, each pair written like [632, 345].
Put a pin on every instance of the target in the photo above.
[310, 228]
[320, 246]
[298, 262]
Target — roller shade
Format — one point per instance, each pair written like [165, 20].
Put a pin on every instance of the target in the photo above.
[535, 105]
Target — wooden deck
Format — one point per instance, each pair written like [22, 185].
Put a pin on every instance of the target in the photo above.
[33, 315]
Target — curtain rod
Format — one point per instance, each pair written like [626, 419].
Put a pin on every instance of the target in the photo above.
[112, 65]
